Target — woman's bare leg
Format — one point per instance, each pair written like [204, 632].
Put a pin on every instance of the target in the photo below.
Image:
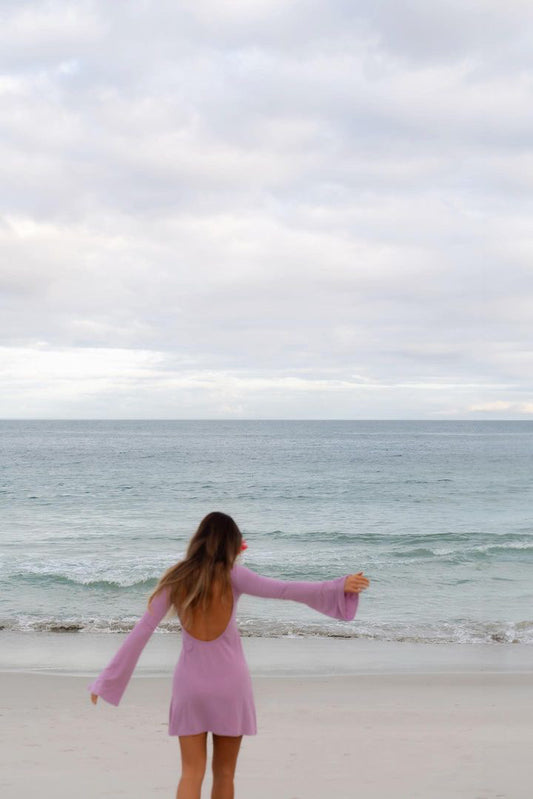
[193, 759]
[225, 752]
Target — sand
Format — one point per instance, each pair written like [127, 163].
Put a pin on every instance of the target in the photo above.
[436, 736]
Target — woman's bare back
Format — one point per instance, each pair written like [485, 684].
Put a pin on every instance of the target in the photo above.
[206, 625]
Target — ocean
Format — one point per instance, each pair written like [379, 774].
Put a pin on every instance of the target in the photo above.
[438, 515]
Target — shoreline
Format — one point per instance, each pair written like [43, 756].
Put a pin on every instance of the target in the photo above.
[87, 654]
[411, 736]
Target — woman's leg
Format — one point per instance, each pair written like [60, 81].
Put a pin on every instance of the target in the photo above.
[193, 760]
[225, 751]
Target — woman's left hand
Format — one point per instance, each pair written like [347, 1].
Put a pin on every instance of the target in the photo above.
[355, 583]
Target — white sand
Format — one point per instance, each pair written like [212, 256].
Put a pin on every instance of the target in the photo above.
[434, 736]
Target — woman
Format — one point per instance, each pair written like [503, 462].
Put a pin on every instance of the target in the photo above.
[212, 687]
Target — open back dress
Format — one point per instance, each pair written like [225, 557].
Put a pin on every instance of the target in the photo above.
[211, 684]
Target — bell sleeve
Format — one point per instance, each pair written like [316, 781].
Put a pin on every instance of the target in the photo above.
[113, 680]
[326, 596]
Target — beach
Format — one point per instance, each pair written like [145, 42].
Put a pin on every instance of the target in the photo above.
[467, 736]
[448, 723]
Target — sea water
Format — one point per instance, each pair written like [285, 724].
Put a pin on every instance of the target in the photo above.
[438, 515]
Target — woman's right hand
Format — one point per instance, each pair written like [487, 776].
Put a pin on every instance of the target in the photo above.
[355, 583]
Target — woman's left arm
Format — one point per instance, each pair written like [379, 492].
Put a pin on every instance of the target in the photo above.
[113, 680]
[326, 596]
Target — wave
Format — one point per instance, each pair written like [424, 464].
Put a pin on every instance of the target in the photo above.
[47, 578]
[140, 576]
[477, 552]
[465, 631]
[379, 539]
[383, 540]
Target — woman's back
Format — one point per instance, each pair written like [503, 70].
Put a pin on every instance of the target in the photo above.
[209, 623]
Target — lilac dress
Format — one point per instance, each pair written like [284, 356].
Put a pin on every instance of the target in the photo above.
[212, 686]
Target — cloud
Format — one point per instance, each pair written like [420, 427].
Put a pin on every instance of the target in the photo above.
[272, 195]
[502, 405]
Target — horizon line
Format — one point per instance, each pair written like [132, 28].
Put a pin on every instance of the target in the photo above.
[246, 419]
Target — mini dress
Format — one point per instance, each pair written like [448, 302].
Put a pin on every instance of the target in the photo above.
[211, 685]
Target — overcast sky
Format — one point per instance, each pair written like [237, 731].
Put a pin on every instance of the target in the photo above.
[266, 209]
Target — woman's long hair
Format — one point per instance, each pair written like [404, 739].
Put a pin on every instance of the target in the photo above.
[210, 556]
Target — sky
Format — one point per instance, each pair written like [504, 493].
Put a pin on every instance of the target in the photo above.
[268, 209]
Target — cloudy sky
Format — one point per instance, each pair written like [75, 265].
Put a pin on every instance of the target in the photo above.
[267, 209]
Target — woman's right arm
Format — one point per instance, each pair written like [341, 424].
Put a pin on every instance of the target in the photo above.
[113, 680]
[326, 596]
